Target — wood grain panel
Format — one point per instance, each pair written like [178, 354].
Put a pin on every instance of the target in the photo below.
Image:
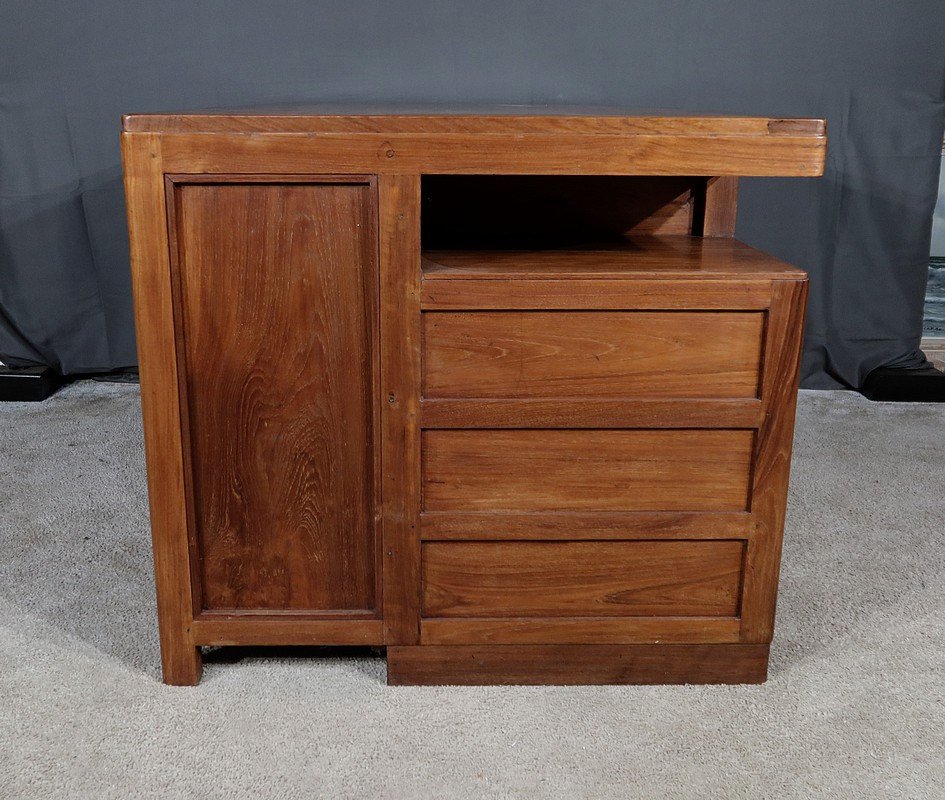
[565, 665]
[277, 318]
[571, 579]
[578, 630]
[586, 525]
[593, 412]
[461, 153]
[589, 470]
[591, 354]
[606, 294]
[221, 631]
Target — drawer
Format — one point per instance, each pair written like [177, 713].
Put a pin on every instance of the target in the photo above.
[614, 354]
[586, 470]
[568, 579]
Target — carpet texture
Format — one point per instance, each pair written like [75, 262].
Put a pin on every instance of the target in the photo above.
[854, 706]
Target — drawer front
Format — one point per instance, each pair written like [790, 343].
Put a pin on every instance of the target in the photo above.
[568, 579]
[586, 470]
[628, 354]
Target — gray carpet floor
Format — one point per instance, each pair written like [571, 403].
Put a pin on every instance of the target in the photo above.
[854, 707]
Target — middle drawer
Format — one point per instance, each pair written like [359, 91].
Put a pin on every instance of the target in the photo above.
[586, 470]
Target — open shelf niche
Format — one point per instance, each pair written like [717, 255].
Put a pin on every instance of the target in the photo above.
[536, 212]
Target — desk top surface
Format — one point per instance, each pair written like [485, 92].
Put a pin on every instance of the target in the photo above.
[469, 119]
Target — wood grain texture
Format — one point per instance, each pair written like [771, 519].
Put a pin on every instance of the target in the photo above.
[591, 354]
[160, 404]
[589, 470]
[561, 664]
[578, 630]
[513, 152]
[571, 579]
[720, 206]
[222, 631]
[471, 118]
[772, 459]
[399, 213]
[280, 382]
[575, 294]
[692, 258]
[496, 526]
[593, 412]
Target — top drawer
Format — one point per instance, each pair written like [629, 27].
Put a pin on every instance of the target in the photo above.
[607, 354]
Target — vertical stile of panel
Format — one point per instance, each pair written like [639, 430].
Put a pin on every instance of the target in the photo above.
[399, 213]
[772, 458]
[160, 400]
[720, 206]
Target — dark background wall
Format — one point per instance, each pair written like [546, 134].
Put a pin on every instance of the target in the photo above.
[875, 70]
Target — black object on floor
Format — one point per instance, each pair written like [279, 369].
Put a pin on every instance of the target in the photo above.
[28, 383]
[905, 385]
[129, 375]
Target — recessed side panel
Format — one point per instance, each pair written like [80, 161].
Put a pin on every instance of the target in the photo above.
[276, 310]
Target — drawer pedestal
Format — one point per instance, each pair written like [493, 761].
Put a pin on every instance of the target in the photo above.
[501, 394]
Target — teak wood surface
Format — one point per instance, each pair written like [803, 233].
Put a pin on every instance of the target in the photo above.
[586, 470]
[580, 578]
[602, 354]
[282, 374]
[495, 388]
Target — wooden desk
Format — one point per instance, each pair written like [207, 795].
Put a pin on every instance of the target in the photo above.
[498, 391]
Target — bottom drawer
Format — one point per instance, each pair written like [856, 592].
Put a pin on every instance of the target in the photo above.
[569, 579]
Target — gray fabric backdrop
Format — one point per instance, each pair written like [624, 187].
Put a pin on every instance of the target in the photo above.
[875, 70]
